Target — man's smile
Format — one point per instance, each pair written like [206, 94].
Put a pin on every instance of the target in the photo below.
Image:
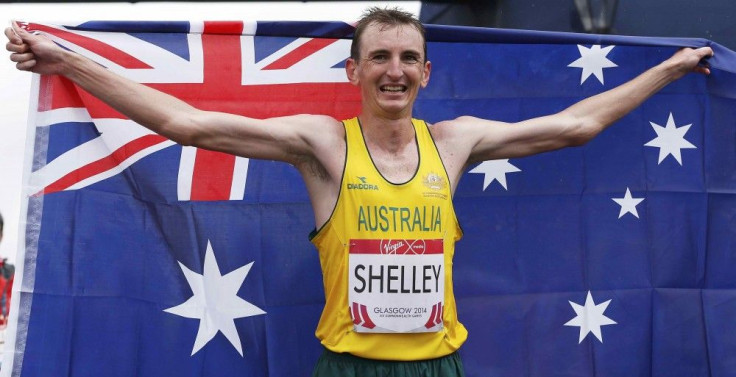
[393, 88]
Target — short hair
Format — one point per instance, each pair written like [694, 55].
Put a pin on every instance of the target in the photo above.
[385, 17]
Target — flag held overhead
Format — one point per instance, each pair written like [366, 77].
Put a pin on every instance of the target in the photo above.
[146, 258]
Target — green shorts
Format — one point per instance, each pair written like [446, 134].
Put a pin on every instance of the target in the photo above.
[332, 364]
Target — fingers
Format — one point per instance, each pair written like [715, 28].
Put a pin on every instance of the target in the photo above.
[21, 34]
[24, 61]
[19, 58]
[16, 43]
[17, 48]
[12, 36]
[18, 30]
[26, 65]
[694, 59]
[701, 69]
[704, 52]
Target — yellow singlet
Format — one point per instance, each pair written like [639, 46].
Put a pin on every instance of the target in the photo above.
[386, 256]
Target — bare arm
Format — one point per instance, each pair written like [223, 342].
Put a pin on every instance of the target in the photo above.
[287, 139]
[473, 139]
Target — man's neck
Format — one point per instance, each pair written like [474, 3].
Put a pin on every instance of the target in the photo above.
[391, 135]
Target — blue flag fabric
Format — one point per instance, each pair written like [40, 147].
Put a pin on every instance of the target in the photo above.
[145, 258]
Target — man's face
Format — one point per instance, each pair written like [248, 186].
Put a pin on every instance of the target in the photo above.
[391, 69]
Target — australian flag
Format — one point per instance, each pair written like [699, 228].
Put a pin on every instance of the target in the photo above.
[145, 258]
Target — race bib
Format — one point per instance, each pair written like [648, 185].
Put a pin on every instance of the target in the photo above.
[396, 285]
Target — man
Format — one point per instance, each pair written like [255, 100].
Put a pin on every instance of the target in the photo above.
[379, 177]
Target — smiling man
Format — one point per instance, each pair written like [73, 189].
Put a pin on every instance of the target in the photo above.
[381, 184]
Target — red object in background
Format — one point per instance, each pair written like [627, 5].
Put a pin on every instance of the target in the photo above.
[8, 289]
[6, 286]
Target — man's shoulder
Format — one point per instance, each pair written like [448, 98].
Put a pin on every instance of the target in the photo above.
[316, 127]
[460, 125]
[460, 134]
[314, 120]
[445, 128]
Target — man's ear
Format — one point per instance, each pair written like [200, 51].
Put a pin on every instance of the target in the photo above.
[427, 70]
[351, 69]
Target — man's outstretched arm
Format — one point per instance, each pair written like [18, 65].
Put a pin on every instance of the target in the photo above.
[286, 139]
[487, 140]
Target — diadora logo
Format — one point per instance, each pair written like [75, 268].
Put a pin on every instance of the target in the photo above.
[363, 185]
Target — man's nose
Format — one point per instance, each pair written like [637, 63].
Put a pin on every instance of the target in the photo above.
[394, 69]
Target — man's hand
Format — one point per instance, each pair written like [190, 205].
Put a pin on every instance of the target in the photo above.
[689, 60]
[34, 53]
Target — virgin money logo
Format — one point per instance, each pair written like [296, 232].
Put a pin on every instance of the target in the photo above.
[402, 247]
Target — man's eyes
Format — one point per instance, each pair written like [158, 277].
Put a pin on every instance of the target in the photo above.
[406, 58]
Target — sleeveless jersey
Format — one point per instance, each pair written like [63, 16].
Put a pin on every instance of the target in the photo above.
[386, 256]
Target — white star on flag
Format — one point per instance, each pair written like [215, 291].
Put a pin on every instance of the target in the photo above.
[670, 140]
[590, 318]
[628, 204]
[592, 60]
[215, 302]
[495, 170]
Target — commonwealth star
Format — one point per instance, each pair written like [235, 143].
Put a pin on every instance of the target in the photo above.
[495, 170]
[670, 140]
[592, 60]
[590, 318]
[215, 302]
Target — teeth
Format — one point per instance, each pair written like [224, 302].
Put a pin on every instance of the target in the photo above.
[392, 88]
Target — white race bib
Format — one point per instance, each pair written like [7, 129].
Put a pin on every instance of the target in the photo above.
[396, 285]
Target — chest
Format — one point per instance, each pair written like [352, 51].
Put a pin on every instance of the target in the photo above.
[396, 167]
